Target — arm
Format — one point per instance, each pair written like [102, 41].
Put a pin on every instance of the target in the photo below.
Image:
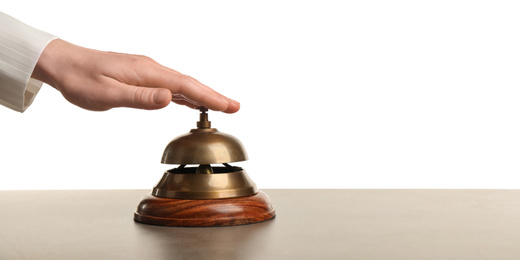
[91, 79]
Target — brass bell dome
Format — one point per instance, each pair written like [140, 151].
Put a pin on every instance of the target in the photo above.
[204, 145]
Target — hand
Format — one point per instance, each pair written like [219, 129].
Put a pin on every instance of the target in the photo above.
[97, 80]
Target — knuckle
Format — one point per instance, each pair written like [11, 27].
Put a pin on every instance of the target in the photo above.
[138, 96]
[185, 77]
[141, 60]
[186, 80]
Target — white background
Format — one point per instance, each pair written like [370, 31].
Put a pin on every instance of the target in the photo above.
[334, 94]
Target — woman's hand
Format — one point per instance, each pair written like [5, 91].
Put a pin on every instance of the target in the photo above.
[97, 80]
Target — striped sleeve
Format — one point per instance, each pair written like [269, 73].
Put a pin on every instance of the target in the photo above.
[20, 48]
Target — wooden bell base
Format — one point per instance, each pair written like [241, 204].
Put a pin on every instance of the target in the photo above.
[204, 213]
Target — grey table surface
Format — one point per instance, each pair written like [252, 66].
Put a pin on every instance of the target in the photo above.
[310, 224]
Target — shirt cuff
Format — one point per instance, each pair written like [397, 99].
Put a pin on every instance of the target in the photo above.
[20, 48]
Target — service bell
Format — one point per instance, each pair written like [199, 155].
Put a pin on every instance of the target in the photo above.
[197, 193]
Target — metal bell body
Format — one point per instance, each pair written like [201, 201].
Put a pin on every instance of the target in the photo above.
[204, 146]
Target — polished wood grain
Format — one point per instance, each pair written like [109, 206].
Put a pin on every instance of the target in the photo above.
[204, 213]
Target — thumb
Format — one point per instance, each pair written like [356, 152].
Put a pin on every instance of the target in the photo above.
[143, 97]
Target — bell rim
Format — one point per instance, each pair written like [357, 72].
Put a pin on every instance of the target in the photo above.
[197, 186]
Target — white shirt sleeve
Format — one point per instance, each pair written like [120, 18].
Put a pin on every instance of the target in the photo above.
[20, 48]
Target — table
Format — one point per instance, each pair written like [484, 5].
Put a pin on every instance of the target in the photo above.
[310, 224]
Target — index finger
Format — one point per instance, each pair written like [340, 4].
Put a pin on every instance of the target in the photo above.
[156, 75]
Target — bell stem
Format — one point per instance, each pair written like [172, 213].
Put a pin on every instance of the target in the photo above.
[203, 121]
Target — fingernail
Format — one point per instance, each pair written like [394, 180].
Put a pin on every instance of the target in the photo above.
[225, 101]
[235, 103]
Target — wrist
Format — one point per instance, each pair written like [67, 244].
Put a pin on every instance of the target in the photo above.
[53, 62]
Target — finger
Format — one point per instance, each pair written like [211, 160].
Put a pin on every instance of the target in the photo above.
[162, 77]
[184, 103]
[122, 95]
[193, 91]
[233, 107]
[180, 97]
